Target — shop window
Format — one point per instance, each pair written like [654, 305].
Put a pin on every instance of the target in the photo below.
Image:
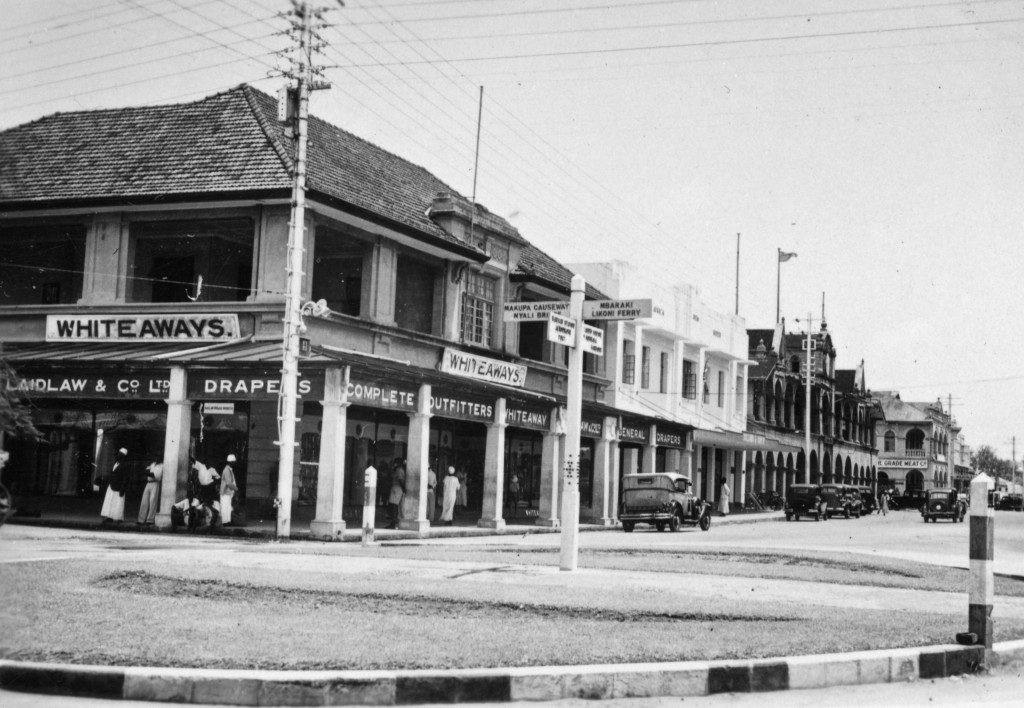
[338, 271]
[663, 374]
[532, 336]
[628, 363]
[689, 379]
[478, 310]
[645, 368]
[415, 295]
[192, 261]
[890, 441]
[41, 265]
[721, 389]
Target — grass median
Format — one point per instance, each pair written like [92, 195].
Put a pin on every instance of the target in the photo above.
[211, 615]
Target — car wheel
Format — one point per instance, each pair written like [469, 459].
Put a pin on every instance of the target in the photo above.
[705, 522]
[660, 526]
[675, 522]
[627, 526]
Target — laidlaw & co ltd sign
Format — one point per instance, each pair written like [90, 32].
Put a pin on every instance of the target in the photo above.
[135, 328]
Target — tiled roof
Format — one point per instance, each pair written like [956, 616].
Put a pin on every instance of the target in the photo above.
[228, 143]
[897, 411]
[536, 264]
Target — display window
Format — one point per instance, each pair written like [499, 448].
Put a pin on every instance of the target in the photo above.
[378, 438]
[523, 453]
[462, 445]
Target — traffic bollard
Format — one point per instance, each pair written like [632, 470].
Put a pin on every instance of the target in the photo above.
[369, 503]
[982, 581]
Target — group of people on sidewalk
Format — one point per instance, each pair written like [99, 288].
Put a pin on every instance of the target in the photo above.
[209, 498]
[453, 493]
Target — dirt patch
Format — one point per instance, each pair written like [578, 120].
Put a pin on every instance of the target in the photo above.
[421, 606]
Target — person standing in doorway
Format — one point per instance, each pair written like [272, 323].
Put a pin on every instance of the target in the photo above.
[450, 492]
[228, 487]
[463, 488]
[431, 493]
[513, 493]
[151, 494]
[396, 494]
[113, 502]
[723, 501]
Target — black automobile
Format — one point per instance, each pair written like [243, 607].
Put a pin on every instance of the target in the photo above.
[805, 500]
[840, 500]
[1011, 502]
[943, 504]
[911, 499]
[868, 499]
[664, 500]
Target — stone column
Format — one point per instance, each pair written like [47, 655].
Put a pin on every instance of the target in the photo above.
[741, 462]
[414, 503]
[650, 451]
[606, 475]
[494, 470]
[550, 471]
[176, 440]
[329, 522]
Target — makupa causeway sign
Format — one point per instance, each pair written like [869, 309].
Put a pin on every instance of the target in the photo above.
[482, 368]
[141, 328]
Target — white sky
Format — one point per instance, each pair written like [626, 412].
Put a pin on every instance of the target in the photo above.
[881, 140]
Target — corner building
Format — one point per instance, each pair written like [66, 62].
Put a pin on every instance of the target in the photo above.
[143, 255]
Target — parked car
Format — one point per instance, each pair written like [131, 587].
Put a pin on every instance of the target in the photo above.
[663, 499]
[805, 500]
[911, 499]
[839, 500]
[943, 504]
[855, 500]
[1011, 502]
[868, 498]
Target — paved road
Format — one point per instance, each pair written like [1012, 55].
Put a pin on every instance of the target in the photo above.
[901, 534]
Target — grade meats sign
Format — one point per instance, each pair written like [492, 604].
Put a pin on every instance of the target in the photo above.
[141, 328]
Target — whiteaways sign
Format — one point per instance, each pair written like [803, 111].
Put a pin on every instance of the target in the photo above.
[135, 328]
[482, 368]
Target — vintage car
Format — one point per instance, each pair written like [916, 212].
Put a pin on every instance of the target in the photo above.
[855, 499]
[1011, 502]
[663, 499]
[943, 504]
[868, 498]
[805, 500]
[839, 499]
[911, 499]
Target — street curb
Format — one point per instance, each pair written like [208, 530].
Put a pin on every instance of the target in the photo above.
[541, 683]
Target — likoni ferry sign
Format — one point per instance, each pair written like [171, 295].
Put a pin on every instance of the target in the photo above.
[142, 328]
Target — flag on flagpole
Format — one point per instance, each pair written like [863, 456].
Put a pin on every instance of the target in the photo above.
[783, 256]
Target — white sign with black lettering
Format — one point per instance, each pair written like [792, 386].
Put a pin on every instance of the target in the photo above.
[534, 311]
[617, 309]
[561, 330]
[593, 340]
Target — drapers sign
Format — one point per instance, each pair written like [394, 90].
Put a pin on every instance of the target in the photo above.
[669, 438]
[141, 328]
[256, 386]
[904, 464]
[381, 394]
[482, 368]
[532, 418]
[92, 385]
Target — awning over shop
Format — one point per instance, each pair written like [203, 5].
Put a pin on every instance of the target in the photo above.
[246, 351]
[735, 441]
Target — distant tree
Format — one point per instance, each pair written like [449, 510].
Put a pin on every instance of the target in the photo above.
[15, 416]
[985, 460]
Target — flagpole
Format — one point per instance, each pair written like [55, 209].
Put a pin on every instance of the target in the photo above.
[778, 286]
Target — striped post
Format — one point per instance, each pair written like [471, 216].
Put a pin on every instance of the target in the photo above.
[369, 504]
[982, 582]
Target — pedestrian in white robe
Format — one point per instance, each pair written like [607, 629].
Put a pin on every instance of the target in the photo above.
[723, 501]
[151, 494]
[228, 487]
[113, 502]
[451, 490]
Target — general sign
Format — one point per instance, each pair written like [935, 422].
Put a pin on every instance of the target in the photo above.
[142, 328]
[561, 330]
[617, 309]
[532, 311]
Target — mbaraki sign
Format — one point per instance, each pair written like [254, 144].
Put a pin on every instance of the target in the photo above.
[142, 328]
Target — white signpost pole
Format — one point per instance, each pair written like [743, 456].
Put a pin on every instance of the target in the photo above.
[574, 415]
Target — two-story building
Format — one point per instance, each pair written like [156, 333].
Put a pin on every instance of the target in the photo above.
[841, 414]
[917, 440]
[685, 364]
[142, 296]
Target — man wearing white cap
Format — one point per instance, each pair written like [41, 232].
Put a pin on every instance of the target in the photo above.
[113, 502]
[228, 487]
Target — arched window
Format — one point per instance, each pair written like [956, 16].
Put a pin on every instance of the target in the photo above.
[915, 480]
[915, 441]
[890, 441]
[794, 365]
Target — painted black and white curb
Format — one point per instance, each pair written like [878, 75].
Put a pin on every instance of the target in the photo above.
[317, 688]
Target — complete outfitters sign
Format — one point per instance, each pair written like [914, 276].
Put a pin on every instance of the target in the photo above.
[141, 328]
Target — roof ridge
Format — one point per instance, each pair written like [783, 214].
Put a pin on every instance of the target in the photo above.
[261, 120]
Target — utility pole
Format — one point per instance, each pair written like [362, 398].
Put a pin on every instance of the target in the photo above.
[950, 463]
[302, 17]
